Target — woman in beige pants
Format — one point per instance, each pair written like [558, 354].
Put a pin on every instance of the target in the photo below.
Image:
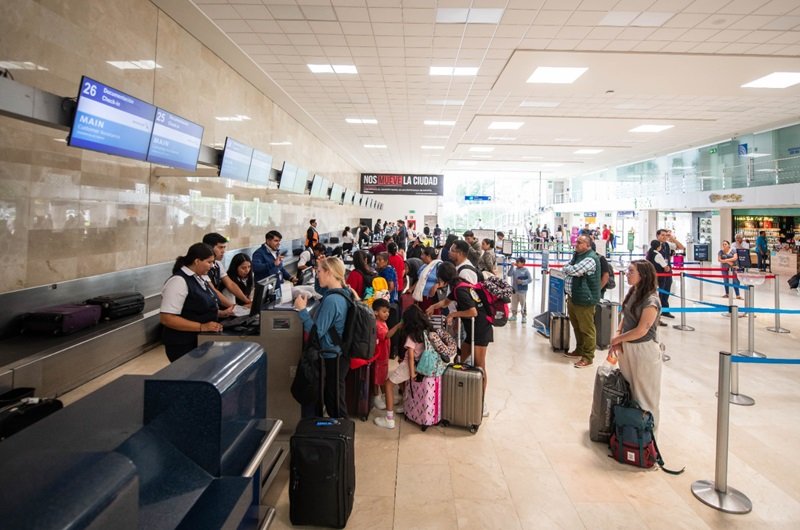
[635, 343]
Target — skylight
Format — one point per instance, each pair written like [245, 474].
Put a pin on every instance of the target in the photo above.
[559, 75]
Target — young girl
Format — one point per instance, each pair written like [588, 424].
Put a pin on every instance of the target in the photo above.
[415, 325]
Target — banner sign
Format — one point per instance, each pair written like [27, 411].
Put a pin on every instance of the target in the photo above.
[394, 184]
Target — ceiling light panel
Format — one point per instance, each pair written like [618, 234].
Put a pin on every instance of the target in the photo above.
[468, 16]
[556, 75]
[619, 18]
[363, 121]
[440, 122]
[447, 15]
[320, 68]
[775, 80]
[651, 128]
[506, 125]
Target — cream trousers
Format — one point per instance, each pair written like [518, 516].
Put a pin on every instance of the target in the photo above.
[640, 363]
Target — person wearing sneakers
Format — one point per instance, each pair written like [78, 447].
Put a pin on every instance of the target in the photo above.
[582, 285]
[380, 365]
[415, 325]
[520, 279]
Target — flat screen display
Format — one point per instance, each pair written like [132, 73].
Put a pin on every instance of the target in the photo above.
[348, 197]
[301, 181]
[325, 192]
[357, 199]
[110, 121]
[336, 193]
[175, 141]
[260, 166]
[316, 185]
[235, 160]
[288, 174]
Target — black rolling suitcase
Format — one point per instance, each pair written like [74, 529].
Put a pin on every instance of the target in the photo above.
[604, 322]
[559, 332]
[118, 305]
[322, 473]
[29, 410]
[359, 391]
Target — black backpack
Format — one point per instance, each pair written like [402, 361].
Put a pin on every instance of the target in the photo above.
[360, 330]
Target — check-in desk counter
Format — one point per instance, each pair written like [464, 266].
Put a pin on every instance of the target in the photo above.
[281, 335]
[188, 448]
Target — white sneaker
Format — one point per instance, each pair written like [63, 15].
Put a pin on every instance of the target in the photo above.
[524, 320]
[485, 411]
[379, 402]
[398, 409]
[384, 422]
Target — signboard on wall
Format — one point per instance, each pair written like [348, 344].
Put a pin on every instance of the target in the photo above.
[398, 184]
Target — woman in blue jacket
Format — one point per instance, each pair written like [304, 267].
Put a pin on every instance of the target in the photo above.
[331, 315]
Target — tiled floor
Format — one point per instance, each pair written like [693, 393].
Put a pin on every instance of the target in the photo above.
[531, 464]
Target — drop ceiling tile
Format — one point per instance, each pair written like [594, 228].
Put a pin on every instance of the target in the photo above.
[635, 33]
[386, 14]
[233, 26]
[758, 37]
[604, 33]
[552, 18]
[360, 40]
[791, 50]
[784, 23]
[276, 38]
[518, 16]
[678, 47]
[318, 12]
[528, 44]
[585, 18]
[245, 38]
[417, 34]
[295, 26]
[767, 49]
[253, 12]
[594, 45]
[285, 12]
[779, 7]
[220, 12]
[597, 5]
[352, 14]
[391, 41]
[708, 47]
[788, 37]
[555, 5]
[744, 7]
[650, 46]
[325, 28]
[621, 46]
[255, 48]
[752, 22]
[426, 16]
[356, 28]
[698, 35]
[510, 31]
[563, 44]
[633, 5]
[363, 51]
[685, 20]
[331, 40]
[671, 6]
[448, 30]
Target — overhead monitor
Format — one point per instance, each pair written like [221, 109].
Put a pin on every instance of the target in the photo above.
[260, 166]
[337, 192]
[348, 197]
[236, 158]
[357, 199]
[316, 185]
[301, 181]
[109, 121]
[325, 192]
[288, 174]
[175, 141]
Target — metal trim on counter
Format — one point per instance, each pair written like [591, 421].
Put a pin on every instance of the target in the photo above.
[255, 462]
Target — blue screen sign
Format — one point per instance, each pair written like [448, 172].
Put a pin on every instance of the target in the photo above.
[235, 160]
[110, 121]
[175, 142]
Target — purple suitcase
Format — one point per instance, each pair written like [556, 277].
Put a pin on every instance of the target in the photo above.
[423, 401]
[62, 319]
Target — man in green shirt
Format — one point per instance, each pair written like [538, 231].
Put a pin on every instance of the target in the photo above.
[582, 285]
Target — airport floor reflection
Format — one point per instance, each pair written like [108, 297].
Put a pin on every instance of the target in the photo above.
[531, 464]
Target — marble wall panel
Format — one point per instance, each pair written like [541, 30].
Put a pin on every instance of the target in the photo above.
[67, 213]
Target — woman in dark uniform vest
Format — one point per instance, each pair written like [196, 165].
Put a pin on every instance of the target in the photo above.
[188, 304]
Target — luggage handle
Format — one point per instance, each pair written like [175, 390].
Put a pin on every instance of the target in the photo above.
[469, 360]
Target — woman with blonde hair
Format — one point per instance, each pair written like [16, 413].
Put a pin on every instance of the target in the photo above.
[330, 317]
[636, 341]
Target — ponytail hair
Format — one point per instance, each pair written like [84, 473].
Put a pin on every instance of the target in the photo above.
[335, 266]
[199, 251]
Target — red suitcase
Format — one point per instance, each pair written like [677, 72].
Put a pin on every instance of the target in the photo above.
[62, 319]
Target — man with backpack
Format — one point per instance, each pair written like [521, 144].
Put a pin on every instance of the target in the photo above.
[459, 255]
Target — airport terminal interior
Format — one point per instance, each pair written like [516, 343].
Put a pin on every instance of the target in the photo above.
[129, 129]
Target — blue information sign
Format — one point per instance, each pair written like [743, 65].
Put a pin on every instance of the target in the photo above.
[235, 160]
[477, 197]
[110, 121]
[260, 166]
[175, 141]
[555, 296]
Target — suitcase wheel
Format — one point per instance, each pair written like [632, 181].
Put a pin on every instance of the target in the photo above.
[364, 418]
[473, 429]
[445, 423]
[423, 428]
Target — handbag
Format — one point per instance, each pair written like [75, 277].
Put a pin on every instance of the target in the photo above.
[309, 373]
[430, 363]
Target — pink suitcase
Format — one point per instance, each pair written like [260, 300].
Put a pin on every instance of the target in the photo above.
[423, 401]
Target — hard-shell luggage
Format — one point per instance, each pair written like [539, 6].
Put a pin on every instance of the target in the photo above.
[462, 396]
[118, 305]
[322, 481]
[29, 410]
[322, 472]
[462, 393]
[62, 319]
[359, 391]
[422, 401]
[604, 323]
[610, 389]
[559, 332]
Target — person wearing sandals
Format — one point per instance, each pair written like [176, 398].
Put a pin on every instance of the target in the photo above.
[635, 343]
[728, 262]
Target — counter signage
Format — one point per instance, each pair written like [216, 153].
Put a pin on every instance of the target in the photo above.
[396, 184]
[700, 252]
[175, 141]
[110, 121]
[555, 297]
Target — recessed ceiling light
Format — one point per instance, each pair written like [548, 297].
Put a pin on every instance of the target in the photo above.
[445, 102]
[431, 147]
[588, 151]
[651, 128]
[280, 143]
[448, 15]
[135, 65]
[455, 71]
[345, 69]
[237, 117]
[481, 149]
[775, 80]
[375, 146]
[364, 121]
[439, 122]
[503, 138]
[506, 125]
[556, 75]
[540, 104]
[320, 68]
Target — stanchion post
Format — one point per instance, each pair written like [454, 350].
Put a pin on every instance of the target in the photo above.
[701, 291]
[683, 326]
[533, 286]
[749, 298]
[717, 493]
[777, 328]
[621, 286]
